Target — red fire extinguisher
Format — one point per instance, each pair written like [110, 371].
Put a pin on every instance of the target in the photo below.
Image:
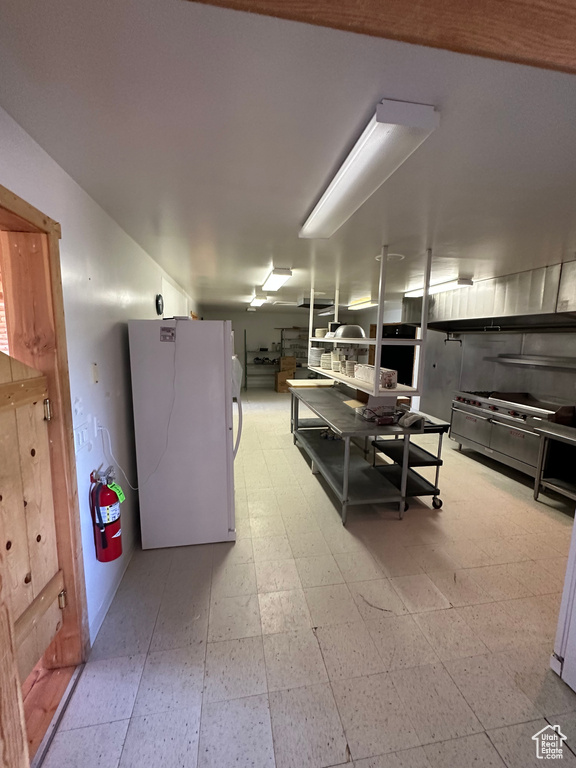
[105, 499]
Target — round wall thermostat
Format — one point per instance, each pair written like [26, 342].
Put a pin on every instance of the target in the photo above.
[159, 304]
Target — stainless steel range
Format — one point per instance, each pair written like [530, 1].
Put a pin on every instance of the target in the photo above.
[497, 424]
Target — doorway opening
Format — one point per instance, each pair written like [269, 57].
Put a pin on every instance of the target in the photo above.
[43, 623]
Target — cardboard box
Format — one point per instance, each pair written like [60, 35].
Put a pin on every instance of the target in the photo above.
[281, 383]
[288, 364]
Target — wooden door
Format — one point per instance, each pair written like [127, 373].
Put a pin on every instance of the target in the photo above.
[30, 579]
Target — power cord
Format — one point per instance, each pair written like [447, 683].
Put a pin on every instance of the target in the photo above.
[173, 400]
[114, 459]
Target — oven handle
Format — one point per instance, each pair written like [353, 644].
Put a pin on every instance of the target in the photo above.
[471, 413]
[505, 418]
[511, 426]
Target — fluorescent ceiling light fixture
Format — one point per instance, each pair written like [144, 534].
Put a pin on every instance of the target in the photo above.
[362, 304]
[461, 282]
[276, 279]
[328, 311]
[392, 135]
[257, 301]
[250, 309]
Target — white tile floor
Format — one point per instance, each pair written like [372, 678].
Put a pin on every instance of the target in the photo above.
[393, 644]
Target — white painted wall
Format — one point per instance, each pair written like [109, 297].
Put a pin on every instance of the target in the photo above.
[176, 303]
[260, 327]
[107, 280]
[261, 330]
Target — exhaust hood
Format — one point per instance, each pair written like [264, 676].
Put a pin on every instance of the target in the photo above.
[541, 299]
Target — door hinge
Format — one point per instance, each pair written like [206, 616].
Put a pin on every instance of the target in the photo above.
[62, 601]
[47, 410]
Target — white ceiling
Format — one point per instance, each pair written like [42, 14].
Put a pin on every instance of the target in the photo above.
[209, 134]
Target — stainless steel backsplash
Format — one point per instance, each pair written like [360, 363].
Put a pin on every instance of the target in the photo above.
[453, 366]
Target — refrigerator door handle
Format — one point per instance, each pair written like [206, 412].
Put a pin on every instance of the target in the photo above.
[563, 660]
[239, 432]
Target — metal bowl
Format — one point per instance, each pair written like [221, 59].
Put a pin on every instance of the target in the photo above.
[349, 332]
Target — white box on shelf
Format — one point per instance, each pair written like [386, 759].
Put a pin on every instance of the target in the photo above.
[388, 377]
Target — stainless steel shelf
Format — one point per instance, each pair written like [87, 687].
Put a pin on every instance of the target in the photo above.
[417, 456]
[416, 485]
[312, 423]
[559, 485]
[365, 483]
[537, 361]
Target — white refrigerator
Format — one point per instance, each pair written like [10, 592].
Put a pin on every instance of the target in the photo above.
[182, 392]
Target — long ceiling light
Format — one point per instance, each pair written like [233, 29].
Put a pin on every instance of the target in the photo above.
[362, 304]
[257, 301]
[451, 285]
[392, 135]
[276, 279]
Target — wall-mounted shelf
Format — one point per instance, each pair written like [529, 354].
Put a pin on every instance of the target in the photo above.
[402, 390]
[537, 361]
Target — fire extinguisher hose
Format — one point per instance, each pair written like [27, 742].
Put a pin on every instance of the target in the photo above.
[96, 506]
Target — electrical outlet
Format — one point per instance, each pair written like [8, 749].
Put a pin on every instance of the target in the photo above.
[81, 437]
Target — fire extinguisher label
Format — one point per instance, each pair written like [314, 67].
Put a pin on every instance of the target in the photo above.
[110, 514]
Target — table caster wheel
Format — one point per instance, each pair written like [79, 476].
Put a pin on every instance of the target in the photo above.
[436, 503]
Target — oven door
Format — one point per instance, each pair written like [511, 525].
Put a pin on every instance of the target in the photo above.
[519, 443]
[470, 426]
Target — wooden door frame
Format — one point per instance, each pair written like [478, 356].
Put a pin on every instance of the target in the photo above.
[70, 647]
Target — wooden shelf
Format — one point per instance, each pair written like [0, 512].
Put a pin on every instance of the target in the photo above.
[369, 341]
[402, 390]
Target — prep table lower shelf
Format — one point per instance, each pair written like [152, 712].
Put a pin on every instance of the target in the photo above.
[416, 485]
[417, 457]
[366, 485]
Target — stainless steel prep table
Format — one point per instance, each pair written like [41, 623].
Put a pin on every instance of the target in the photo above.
[344, 466]
[551, 431]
